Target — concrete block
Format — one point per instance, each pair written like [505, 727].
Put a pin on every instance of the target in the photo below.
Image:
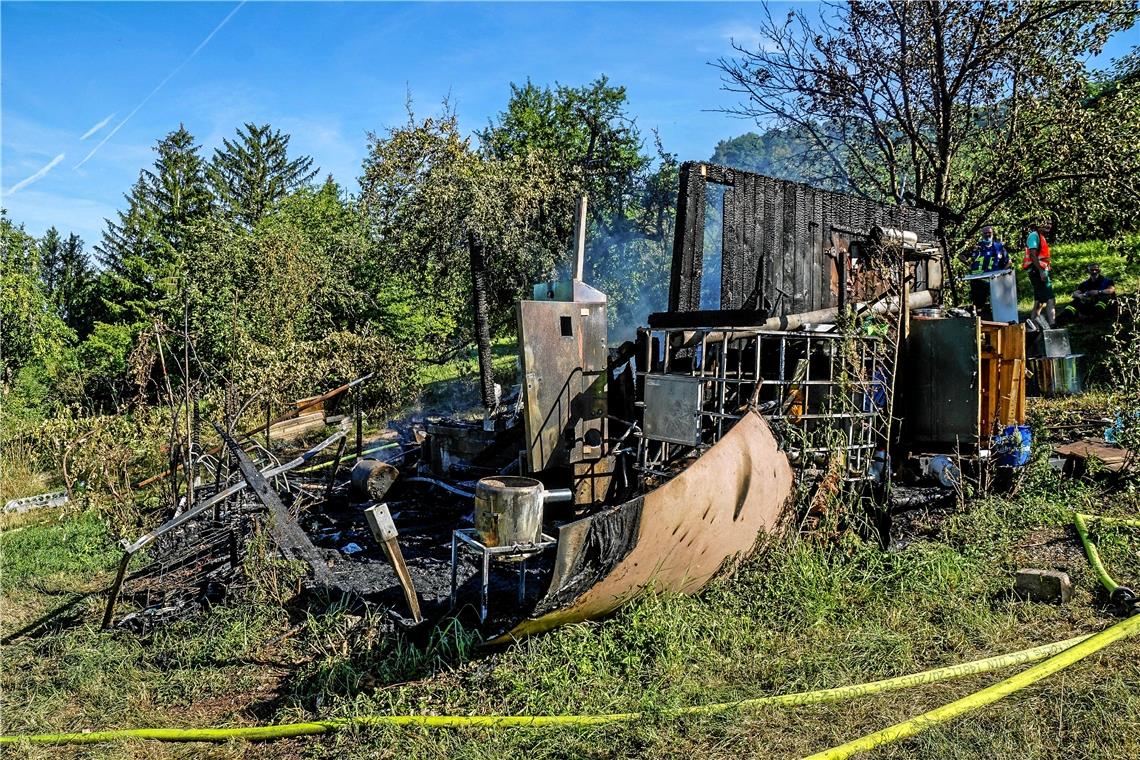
[1043, 585]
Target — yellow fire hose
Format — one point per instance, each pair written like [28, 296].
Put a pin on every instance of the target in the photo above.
[257, 733]
[1121, 595]
[986, 696]
[1060, 655]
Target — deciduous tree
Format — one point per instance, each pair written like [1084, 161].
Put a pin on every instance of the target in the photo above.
[966, 104]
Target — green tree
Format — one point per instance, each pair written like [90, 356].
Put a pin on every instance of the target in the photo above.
[587, 131]
[144, 251]
[51, 259]
[594, 146]
[35, 341]
[252, 173]
[427, 195]
[73, 293]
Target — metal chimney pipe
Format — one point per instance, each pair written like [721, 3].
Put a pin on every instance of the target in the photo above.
[580, 239]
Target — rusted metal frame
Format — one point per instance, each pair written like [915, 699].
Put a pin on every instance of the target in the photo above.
[285, 529]
[853, 425]
[288, 415]
[190, 514]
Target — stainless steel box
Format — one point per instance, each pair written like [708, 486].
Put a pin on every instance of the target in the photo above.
[1052, 344]
[673, 409]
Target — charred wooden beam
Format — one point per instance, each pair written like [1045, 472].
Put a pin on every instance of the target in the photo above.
[288, 534]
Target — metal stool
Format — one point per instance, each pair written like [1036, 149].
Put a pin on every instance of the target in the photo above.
[469, 539]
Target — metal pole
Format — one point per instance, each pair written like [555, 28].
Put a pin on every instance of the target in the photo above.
[359, 425]
[486, 584]
[580, 239]
[333, 468]
[454, 570]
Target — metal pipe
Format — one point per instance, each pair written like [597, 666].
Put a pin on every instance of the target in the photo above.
[557, 496]
[441, 484]
[919, 300]
[580, 238]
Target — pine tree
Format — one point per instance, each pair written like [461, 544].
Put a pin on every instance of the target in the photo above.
[73, 291]
[177, 189]
[146, 247]
[251, 173]
[51, 259]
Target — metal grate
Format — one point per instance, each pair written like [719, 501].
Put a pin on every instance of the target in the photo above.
[822, 392]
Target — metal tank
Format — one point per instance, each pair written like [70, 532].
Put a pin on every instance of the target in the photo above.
[508, 510]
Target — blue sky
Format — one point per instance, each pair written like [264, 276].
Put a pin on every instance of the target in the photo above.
[326, 73]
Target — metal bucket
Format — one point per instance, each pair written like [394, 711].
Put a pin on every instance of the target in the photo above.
[508, 510]
[1057, 376]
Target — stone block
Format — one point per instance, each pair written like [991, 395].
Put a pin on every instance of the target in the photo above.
[1051, 586]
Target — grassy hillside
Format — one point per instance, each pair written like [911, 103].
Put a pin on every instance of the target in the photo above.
[1120, 261]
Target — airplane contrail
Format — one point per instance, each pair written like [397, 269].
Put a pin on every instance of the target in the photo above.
[35, 177]
[97, 127]
[159, 86]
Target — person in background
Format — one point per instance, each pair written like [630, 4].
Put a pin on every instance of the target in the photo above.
[1095, 297]
[1037, 262]
[989, 255]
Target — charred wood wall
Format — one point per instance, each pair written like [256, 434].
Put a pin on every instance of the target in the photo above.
[776, 239]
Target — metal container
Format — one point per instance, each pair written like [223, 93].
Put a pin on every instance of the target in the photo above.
[508, 510]
[372, 478]
[928, 313]
[1053, 344]
[1057, 376]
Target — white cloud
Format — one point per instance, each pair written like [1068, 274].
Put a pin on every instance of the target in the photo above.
[35, 177]
[747, 36]
[97, 127]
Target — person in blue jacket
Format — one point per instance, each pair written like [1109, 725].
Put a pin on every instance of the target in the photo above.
[989, 255]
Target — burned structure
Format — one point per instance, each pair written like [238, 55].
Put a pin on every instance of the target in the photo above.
[656, 463]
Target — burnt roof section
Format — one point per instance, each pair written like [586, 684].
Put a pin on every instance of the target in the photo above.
[776, 239]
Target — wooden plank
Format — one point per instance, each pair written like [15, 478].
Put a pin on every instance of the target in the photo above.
[288, 534]
[1114, 458]
[745, 220]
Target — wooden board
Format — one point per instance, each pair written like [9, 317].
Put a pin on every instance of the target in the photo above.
[1114, 458]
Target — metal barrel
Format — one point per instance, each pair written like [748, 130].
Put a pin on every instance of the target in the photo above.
[508, 510]
[1057, 376]
[372, 478]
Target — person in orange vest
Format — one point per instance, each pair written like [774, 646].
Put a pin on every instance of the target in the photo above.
[1037, 262]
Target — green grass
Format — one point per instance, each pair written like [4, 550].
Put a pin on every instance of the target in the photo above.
[806, 614]
[455, 383]
[1119, 260]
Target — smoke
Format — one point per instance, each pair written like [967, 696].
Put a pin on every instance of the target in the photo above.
[632, 269]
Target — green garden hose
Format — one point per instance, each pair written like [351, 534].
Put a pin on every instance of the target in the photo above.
[1093, 555]
[1117, 520]
[986, 696]
[282, 731]
[1122, 596]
